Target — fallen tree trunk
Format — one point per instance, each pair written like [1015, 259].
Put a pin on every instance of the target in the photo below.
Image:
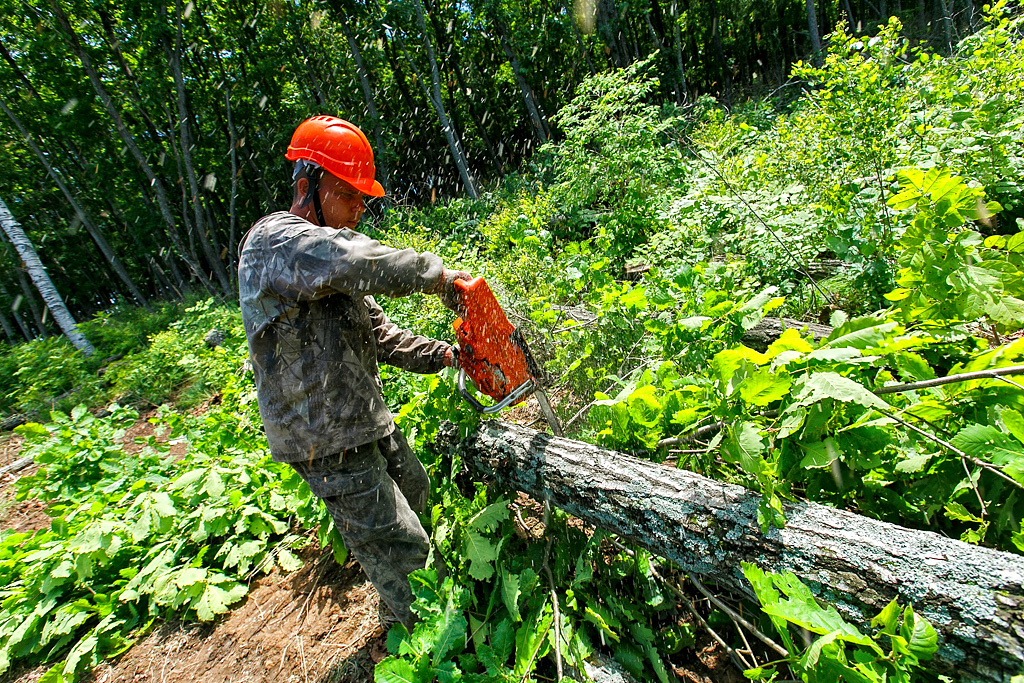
[761, 335]
[973, 596]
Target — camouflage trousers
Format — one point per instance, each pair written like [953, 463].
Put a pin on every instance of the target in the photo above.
[373, 493]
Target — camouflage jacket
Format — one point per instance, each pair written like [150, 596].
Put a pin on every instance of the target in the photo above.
[316, 334]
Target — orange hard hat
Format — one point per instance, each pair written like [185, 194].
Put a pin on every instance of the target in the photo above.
[340, 148]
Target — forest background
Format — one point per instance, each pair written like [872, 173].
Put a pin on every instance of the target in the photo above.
[642, 183]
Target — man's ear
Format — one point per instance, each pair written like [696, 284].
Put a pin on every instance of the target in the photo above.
[301, 188]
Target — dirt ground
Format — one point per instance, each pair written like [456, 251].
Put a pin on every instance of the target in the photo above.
[317, 625]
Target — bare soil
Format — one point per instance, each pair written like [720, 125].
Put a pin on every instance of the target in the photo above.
[319, 624]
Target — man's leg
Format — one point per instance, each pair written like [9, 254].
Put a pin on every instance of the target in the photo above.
[374, 518]
[406, 469]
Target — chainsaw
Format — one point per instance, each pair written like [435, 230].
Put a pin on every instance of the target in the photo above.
[493, 353]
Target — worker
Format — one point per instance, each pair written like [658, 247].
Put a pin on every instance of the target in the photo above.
[307, 281]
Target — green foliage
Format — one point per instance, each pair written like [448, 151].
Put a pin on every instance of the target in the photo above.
[842, 652]
[948, 271]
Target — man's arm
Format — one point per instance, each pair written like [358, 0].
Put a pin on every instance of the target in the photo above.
[301, 261]
[403, 349]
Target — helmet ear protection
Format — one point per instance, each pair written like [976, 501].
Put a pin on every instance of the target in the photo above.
[311, 172]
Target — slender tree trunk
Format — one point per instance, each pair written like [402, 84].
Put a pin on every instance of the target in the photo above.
[16, 315]
[17, 70]
[724, 70]
[90, 226]
[129, 141]
[812, 28]
[42, 281]
[539, 127]
[371, 104]
[232, 217]
[185, 138]
[947, 25]
[682, 92]
[6, 324]
[454, 145]
[38, 314]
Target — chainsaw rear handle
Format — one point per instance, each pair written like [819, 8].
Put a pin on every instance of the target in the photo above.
[517, 393]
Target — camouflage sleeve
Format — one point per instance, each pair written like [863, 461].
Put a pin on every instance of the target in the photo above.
[403, 349]
[302, 261]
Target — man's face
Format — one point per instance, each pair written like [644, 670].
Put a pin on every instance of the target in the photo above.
[342, 204]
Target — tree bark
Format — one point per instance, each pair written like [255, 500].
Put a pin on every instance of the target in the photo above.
[761, 335]
[454, 145]
[129, 141]
[90, 226]
[973, 596]
[812, 28]
[61, 314]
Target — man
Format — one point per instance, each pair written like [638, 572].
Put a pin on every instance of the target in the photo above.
[307, 282]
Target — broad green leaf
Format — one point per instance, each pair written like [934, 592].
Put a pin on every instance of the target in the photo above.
[394, 670]
[988, 443]
[958, 512]
[452, 632]
[744, 446]
[819, 454]
[188, 576]
[860, 333]
[914, 463]
[886, 619]
[1013, 421]
[922, 640]
[287, 561]
[510, 593]
[489, 518]
[481, 554]
[803, 610]
[763, 387]
[823, 385]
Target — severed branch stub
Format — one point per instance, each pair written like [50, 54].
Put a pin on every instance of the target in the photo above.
[973, 596]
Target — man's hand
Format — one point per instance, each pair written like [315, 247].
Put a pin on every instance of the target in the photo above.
[451, 357]
[451, 297]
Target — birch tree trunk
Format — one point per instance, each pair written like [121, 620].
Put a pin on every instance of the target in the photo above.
[435, 99]
[61, 314]
[90, 226]
[161, 194]
[973, 596]
[185, 138]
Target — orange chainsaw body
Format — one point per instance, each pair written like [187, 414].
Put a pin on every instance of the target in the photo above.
[491, 351]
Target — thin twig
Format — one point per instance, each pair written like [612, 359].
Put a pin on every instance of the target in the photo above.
[687, 603]
[554, 595]
[994, 469]
[735, 616]
[996, 373]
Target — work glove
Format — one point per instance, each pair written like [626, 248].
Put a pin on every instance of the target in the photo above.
[451, 357]
[446, 291]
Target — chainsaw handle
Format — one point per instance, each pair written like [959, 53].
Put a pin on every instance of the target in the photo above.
[517, 393]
